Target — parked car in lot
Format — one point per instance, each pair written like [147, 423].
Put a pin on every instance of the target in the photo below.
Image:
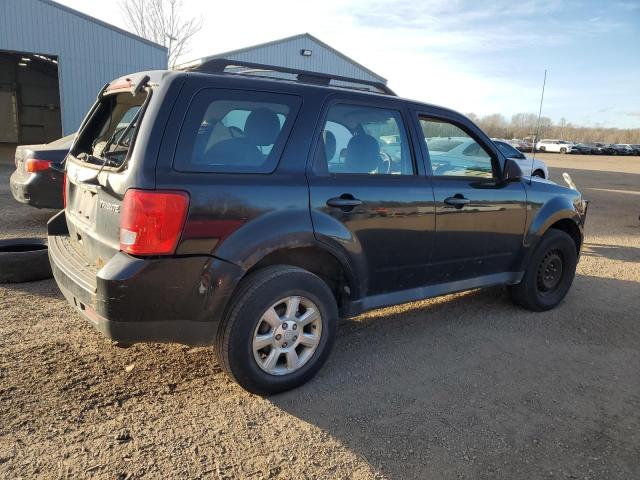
[584, 149]
[607, 149]
[253, 212]
[522, 145]
[528, 165]
[556, 146]
[627, 149]
[34, 182]
[620, 149]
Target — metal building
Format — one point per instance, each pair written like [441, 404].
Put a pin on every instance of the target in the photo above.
[53, 62]
[304, 52]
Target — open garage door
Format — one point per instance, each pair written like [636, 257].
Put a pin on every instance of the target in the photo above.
[29, 98]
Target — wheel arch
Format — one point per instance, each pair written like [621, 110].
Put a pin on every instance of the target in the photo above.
[569, 226]
[318, 259]
[558, 213]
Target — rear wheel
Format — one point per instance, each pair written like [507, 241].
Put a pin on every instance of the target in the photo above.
[549, 274]
[542, 149]
[278, 331]
[538, 173]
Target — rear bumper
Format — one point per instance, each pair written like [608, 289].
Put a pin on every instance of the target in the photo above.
[40, 189]
[131, 300]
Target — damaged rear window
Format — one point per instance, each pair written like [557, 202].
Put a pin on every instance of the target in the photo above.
[111, 130]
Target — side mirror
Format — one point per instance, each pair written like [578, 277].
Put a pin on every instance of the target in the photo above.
[512, 171]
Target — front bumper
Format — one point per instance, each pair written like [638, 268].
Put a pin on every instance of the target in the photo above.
[40, 189]
[131, 300]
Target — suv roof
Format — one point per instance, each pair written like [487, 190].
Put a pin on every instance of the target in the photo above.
[271, 72]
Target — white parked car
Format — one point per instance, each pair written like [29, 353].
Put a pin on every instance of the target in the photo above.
[529, 166]
[556, 146]
[450, 155]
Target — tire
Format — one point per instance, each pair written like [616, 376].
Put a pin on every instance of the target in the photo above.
[563, 150]
[264, 292]
[538, 173]
[536, 292]
[24, 260]
[543, 149]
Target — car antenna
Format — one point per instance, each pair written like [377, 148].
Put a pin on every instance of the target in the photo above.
[536, 139]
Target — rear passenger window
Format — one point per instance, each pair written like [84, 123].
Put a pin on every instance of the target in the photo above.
[363, 140]
[235, 131]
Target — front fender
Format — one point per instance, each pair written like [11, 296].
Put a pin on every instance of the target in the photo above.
[543, 216]
[555, 209]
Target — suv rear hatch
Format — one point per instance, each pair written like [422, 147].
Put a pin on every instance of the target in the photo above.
[100, 169]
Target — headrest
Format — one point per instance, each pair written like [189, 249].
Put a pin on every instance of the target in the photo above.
[262, 127]
[363, 154]
[329, 144]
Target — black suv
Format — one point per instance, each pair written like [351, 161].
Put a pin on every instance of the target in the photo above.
[254, 212]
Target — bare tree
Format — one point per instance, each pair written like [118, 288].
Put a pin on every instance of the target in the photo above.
[524, 125]
[161, 22]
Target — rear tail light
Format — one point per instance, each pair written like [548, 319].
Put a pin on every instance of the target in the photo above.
[151, 222]
[35, 165]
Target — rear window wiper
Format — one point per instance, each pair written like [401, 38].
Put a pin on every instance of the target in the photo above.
[125, 132]
[133, 123]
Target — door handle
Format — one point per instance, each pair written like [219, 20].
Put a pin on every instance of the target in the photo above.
[457, 201]
[345, 202]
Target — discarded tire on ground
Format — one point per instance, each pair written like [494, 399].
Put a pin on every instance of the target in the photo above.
[24, 260]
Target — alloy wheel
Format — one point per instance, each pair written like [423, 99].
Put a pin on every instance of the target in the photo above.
[287, 335]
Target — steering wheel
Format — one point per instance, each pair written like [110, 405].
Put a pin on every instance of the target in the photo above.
[385, 163]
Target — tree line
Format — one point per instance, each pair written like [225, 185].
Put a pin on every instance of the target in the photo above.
[523, 125]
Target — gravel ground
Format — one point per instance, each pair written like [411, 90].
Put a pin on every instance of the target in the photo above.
[463, 386]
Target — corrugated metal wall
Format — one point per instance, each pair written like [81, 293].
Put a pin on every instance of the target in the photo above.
[287, 54]
[89, 53]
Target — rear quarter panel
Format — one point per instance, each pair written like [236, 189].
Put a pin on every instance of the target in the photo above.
[242, 217]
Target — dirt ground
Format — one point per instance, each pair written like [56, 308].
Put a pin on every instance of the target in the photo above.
[463, 386]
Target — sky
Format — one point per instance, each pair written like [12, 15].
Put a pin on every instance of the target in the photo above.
[473, 56]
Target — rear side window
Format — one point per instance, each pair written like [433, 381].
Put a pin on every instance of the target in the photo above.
[235, 131]
[365, 140]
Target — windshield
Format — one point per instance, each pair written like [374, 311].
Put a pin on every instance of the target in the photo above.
[110, 132]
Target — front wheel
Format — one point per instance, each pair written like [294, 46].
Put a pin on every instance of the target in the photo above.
[549, 274]
[278, 331]
[538, 174]
[563, 150]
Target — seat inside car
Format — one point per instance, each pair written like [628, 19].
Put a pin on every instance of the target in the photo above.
[261, 130]
[363, 154]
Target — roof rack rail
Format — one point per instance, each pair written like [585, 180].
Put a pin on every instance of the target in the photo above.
[219, 65]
